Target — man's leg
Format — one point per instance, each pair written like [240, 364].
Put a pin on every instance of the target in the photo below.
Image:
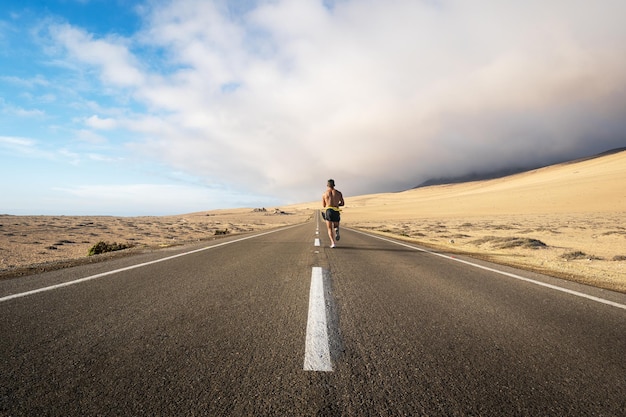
[336, 225]
[329, 225]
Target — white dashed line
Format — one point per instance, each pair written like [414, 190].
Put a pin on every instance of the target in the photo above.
[317, 350]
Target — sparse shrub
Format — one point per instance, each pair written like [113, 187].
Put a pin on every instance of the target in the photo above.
[222, 232]
[570, 256]
[529, 243]
[619, 258]
[511, 242]
[103, 247]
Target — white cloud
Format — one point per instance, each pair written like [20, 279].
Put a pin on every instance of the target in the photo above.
[20, 111]
[117, 65]
[96, 122]
[22, 145]
[103, 158]
[378, 94]
[36, 150]
[29, 83]
[72, 157]
[26, 147]
[89, 136]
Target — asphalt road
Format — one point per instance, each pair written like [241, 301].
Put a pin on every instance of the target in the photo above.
[223, 331]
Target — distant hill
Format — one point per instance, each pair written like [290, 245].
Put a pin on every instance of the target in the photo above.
[490, 175]
[475, 176]
[605, 153]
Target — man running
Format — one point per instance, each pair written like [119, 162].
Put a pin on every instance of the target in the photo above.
[331, 200]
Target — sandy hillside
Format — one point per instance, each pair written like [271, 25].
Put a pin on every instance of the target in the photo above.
[565, 220]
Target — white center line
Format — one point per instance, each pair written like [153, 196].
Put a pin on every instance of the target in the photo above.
[317, 242]
[317, 350]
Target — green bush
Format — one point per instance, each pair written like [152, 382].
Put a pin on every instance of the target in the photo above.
[103, 247]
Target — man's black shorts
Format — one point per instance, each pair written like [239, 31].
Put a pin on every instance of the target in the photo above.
[332, 215]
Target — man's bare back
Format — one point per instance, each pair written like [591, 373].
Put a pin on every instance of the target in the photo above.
[332, 198]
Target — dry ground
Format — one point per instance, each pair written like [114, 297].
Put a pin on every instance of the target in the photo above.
[565, 220]
[577, 247]
[37, 243]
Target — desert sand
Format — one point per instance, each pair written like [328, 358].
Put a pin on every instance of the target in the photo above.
[564, 220]
[30, 244]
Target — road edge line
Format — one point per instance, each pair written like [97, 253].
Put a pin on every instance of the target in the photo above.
[508, 274]
[103, 274]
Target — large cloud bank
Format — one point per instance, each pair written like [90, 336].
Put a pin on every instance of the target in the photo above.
[275, 97]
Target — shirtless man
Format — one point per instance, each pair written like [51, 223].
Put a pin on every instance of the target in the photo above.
[331, 201]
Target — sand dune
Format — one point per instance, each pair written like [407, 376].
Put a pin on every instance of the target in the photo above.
[565, 220]
[592, 186]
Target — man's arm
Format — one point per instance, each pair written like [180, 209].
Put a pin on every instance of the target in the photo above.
[324, 200]
[340, 203]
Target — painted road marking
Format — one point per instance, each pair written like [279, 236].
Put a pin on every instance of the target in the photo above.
[317, 350]
[508, 274]
[317, 224]
[89, 278]
[317, 242]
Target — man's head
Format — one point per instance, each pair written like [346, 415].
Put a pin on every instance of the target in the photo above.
[331, 183]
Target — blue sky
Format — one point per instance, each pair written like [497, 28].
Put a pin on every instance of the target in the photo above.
[120, 107]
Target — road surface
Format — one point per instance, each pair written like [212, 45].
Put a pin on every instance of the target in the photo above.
[273, 324]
